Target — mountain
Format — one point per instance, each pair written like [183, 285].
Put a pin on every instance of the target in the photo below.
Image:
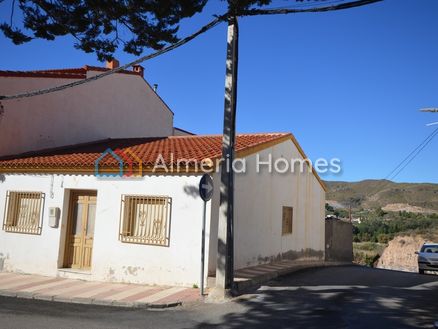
[367, 194]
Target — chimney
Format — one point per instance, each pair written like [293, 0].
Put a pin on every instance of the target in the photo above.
[138, 69]
[155, 87]
[112, 64]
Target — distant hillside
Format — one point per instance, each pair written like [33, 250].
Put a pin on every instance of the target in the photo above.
[382, 193]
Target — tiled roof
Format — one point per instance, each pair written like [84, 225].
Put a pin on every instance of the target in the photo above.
[72, 73]
[82, 157]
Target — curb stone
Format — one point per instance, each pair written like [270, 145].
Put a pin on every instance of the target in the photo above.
[167, 305]
[61, 299]
[8, 293]
[47, 298]
[81, 300]
[86, 301]
[102, 302]
[25, 294]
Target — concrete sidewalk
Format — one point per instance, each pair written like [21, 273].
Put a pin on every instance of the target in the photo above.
[97, 293]
[251, 277]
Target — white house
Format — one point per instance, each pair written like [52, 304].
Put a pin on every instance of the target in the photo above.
[148, 229]
[109, 194]
[121, 105]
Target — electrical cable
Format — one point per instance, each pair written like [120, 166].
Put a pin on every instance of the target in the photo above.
[173, 46]
[205, 28]
[358, 3]
[406, 161]
[416, 154]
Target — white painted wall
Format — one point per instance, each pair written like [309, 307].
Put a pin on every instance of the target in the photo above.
[117, 106]
[258, 219]
[178, 264]
[259, 198]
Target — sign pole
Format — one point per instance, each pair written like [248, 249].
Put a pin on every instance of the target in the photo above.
[206, 189]
[204, 215]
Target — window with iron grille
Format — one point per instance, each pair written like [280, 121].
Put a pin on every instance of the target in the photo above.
[287, 222]
[145, 219]
[23, 212]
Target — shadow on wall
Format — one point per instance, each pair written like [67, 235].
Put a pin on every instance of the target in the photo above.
[191, 190]
[2, 261]
[338, 297]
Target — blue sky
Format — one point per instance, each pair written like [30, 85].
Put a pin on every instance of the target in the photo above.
[348, 84]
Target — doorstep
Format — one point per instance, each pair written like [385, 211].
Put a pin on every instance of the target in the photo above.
[91, 292]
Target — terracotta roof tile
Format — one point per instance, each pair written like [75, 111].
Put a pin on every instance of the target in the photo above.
[69, 73]
[83, 156]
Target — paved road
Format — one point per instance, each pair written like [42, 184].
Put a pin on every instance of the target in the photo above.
[337, 297]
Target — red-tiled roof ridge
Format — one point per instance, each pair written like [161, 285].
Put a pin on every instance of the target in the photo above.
[104, 69]
[44, 74]
[66, 70]
[240, 134]
[66, 148]
[81, 158]
[66, 73]
[104, 144]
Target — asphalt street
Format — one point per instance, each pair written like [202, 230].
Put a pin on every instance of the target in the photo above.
[334, 297]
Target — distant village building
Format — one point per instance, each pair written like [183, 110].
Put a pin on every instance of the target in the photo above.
[83, 197]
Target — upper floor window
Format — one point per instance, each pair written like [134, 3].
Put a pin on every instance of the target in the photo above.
[287, 221]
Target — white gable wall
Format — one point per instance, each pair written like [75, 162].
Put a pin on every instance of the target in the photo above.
[117, 106]
[259, 198]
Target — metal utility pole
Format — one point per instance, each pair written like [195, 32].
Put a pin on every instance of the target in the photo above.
[225, 257]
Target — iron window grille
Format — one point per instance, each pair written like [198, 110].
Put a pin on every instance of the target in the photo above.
[145, 219]
[23, 212]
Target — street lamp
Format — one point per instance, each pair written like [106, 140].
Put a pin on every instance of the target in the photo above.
[430, 110]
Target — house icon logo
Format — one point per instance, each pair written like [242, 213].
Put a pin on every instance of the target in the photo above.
[128, 164]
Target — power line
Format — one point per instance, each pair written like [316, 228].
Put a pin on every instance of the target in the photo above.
[406, 161]
[205, 28]
[424, 142]
[171, 47]
[434, 133]
[309, 4]
[358, 3]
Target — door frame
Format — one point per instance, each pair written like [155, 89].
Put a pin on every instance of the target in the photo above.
[74, 193]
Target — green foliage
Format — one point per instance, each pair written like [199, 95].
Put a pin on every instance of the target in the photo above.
[367, 253]
[382, 229]
[366, 259]
[101, 26]
[329, 209]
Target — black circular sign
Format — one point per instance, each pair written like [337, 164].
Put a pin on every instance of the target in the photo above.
[206, 187]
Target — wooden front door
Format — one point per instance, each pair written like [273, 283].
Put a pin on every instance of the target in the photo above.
[80, 230]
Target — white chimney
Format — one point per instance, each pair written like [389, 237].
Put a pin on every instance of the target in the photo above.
[112, 64]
